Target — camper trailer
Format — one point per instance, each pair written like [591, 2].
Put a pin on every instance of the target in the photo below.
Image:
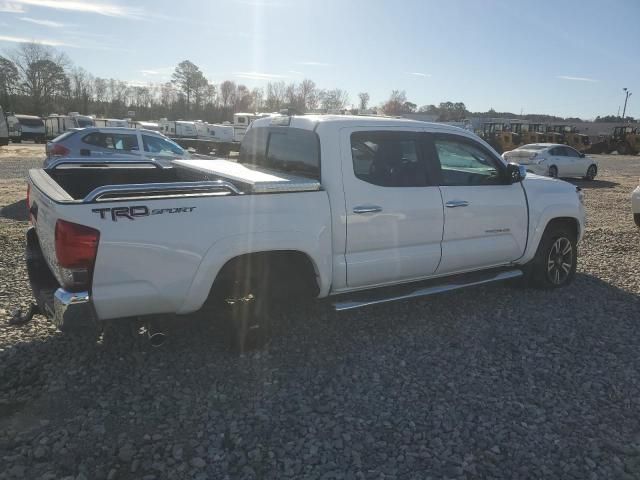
[110, 122]
[58, 124]
[144, 125]
[25, 127]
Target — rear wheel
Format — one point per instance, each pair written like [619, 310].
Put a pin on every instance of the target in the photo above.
[556, 258]
[245, 305]
[622, 149]
[553, 171]
[592, 171]
[636, 218]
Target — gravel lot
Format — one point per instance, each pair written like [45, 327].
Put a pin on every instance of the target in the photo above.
[491, 382]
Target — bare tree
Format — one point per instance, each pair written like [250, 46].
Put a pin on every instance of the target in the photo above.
[42, 74]
[308, 95]
[364, 100]
[9, 79]
[258, 99]
[228, 93]
[394, 106]
[334, 100]
[276, 92]
[188, 78]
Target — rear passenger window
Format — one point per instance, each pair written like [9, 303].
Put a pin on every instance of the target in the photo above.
[388, 159]
[112, 141]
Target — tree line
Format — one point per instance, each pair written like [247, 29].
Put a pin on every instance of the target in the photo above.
[40, 80]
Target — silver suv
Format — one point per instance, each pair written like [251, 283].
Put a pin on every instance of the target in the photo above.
[116, 142]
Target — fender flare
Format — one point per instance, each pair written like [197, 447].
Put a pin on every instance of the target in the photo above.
[550, 213]
[313, 246]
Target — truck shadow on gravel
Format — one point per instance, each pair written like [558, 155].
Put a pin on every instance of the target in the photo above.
[593, 184]
[15, 211]
[487, 360]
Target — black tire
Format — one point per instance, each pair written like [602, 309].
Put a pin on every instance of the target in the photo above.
[555, 262]
[553, 171]
[622, 149]
[636, 218]
[592, 171]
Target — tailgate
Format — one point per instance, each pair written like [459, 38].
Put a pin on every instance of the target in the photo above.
[44, 211]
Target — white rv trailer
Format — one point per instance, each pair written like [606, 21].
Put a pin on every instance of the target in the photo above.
[110, 122]
[56, 125]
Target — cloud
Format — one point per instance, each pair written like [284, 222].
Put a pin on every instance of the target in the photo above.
[10, 7]
[156, 71]
[44, 23]
[577, 79]
[418, 74]
[105, 9]
[51, 43]
[295, 72]
[315, 64]
[258, 75]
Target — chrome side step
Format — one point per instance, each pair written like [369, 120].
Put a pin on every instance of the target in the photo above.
[383, 295]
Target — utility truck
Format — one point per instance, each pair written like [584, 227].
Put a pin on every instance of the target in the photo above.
[357, 210]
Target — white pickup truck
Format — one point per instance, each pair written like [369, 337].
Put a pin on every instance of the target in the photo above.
[363, 210]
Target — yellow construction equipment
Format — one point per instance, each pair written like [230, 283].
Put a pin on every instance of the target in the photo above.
[498, 135]
[625, 140]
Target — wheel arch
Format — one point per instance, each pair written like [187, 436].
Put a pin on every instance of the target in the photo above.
[316, 250]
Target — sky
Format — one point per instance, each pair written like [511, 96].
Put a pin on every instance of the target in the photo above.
[566, 57]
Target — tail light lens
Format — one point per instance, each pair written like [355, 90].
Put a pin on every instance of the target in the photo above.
[58, 150]
[76, 249]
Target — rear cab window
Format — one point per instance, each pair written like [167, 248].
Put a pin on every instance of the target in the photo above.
[283, 149]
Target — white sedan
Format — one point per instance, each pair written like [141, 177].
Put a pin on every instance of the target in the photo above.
[553, 160]
[635, 205]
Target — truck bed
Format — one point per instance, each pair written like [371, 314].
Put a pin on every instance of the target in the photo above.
[78, 181]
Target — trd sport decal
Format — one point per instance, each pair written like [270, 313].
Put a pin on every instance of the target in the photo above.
[132, 213]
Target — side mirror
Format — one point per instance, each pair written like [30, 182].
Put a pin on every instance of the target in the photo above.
[516, 173]
[582, 155]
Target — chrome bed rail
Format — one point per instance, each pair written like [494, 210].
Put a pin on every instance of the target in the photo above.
[71, 163]
[108, 193]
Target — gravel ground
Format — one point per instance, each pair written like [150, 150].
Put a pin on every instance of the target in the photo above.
[490, 382]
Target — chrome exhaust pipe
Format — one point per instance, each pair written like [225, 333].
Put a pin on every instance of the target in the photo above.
[155, 335]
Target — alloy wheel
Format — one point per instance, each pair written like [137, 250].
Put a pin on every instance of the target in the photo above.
[560, 261]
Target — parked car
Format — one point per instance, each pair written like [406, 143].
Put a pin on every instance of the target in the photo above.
[635, 205]
[316, 206]
[26, 127]
[553, 160]
[101, 144]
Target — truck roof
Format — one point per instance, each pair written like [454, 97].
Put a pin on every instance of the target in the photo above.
[309, 122]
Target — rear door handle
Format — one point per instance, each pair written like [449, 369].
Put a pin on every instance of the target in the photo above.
[367, 209]
[457, 203]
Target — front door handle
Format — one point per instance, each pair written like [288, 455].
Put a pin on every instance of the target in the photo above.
[367, 209]
[457, 203]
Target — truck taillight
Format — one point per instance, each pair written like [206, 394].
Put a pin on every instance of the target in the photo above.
[76, 249]
[58, 150]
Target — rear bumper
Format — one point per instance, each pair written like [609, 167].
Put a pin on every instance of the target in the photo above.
[67, 310]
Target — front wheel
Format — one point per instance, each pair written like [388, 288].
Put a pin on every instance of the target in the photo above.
[636, 218]
[553, 171]
[556, 258]
[592, 171]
